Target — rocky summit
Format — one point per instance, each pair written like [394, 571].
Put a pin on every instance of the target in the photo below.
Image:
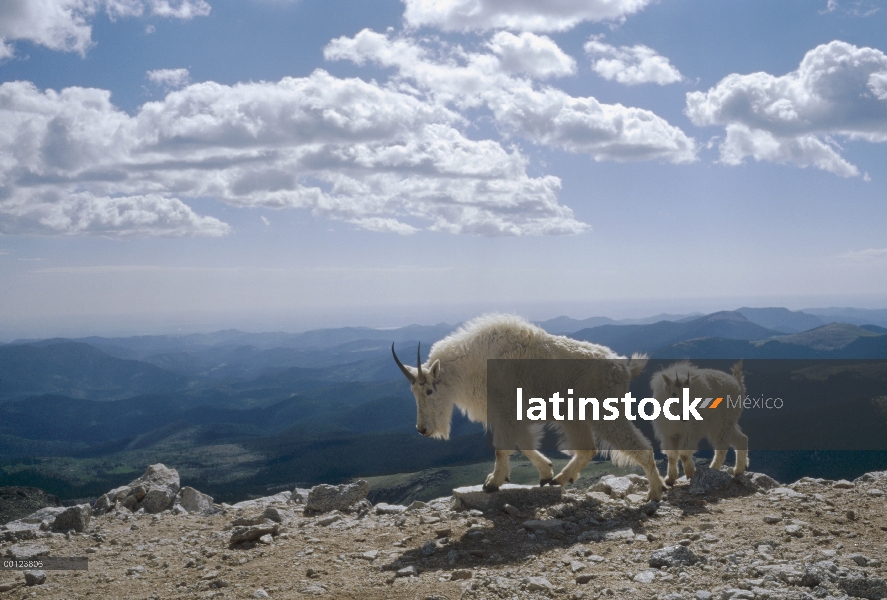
[715, 538]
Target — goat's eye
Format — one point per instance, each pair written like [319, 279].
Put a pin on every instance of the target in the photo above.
[428, 392]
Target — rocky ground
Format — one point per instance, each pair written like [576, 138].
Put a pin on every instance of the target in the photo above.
[713, 537]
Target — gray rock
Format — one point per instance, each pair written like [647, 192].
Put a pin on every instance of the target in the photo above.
[260, 593]
[33, 578]
[73, 517]
[861, 559]
[843, 484]
[787, 493]
[671, 556]
[547, 525]
[408, 572]
[389, 509]
[761, 480]
[703, 595]
[324, 498]
[460, 574]
[860, 586]
[27, 551]
[299, 495]
[474, 498]
[19, 532]
[818, 573]
[794, 530]
[370, 555]
[537, 584]
[617, 487]
[272, 513]
[44, 515]
[240, 535]
[644, 577]
[261, 503]
[705, 480]
[155, 491]
[195, 502]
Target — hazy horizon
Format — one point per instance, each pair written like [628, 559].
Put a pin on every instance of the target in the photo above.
[383, 317]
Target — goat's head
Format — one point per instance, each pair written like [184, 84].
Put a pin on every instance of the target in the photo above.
[434, 409]
[675, 386]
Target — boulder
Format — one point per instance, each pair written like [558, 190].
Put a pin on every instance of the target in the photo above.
[261, 503]
[616, 487]
[240, 535]
[155, 491]
[389, 509]
[324, 498]
[474, 498]
[73, 517]
[195, 502]
[33, 578]
[858, 585]
[27, 551]
[671, 556]
[705, 480]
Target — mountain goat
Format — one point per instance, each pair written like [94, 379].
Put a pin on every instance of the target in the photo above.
[680, 439]
[455, 375]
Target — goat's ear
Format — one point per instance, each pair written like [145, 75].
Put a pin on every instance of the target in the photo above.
[668, 380]
[435, 369]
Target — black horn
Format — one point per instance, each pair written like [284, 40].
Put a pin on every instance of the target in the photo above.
[410, 376]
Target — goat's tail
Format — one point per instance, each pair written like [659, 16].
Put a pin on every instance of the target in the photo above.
[737, 372]
[636, 364]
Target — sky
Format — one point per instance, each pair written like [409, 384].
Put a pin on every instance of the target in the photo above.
[191, 165]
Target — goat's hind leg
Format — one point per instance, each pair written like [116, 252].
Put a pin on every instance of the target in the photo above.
[689, 465]
[630, 445]
[578, 438]
[570, 472]
[542, 464]
[740, 447]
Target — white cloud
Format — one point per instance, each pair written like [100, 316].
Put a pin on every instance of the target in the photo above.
[169, 78]
[83, 213]
[838, 90]
[857, 8]
[535, 55]
[542, 115]
[384, 160]
[630, 65]
[65, 24]
[870, 254]
[520, 15]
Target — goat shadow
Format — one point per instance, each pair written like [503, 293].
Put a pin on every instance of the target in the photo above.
[586, 522]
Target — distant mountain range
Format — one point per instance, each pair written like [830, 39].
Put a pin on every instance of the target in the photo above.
[626, 339]
[244, 410]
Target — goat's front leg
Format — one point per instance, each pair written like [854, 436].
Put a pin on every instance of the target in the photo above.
[500, 472]
[672, 473]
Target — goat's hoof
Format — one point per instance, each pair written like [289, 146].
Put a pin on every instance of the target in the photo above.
[547, 480]
[490, 488]
[507, 480]
[571, 480]
[670, 482]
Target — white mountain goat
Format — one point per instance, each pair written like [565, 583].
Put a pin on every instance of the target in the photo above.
[455, 375]
[720, 425]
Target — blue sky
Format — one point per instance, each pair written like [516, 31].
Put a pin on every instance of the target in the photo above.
[189, 165]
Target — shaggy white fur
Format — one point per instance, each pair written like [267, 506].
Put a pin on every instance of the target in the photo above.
[680, 439]
[455, 375]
